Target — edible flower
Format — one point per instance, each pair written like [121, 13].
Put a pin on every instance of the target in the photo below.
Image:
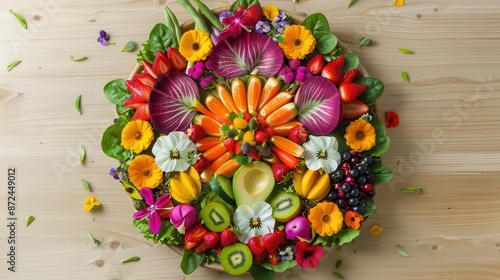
[321, 152]
[172, 152]
[353, 219]
[144, 173]
[195, 45]
[154, 210]
[116, 172]
[399, 3]
[103, 38]
[391, 119]
[183, 217]
[376, 230]
[307, 255]
[299, 41]
[360, 135]
[270, 12]
[254, 221]
[137, 136]
[242, 19]
[326, 218]
[90, 203]
[262, 27]
[287, 254]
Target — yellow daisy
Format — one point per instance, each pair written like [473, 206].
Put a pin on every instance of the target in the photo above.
[195, 45]
[326, 218]
[137, 136]
[270, 12]
[299, 41]
[360, 135]
[144, 172]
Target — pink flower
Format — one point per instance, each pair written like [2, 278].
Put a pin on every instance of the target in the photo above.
[155, 210]
[241, 19]
[391, 119]
[183, 217]
[307, 255]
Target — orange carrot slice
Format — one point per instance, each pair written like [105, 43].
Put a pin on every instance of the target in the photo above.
[215, 152]
[239, 93]
[288, 146]
[270, 89]
[226, 98]
[228, 168]
[285, 157]
[202, 109]
[275, 103]
[254, 88]
[272, 159]
[211, 126]
[284, 129]
[214, 165]
[206, 143]
[215, 105]
[282, 115]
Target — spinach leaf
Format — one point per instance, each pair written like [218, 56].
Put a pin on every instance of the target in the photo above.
[116, 91]
[111, 143]
[191, 260]
[161, 38]
[325, 42]
[374, 89]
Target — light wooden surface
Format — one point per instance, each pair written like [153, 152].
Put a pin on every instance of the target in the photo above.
[448, 141]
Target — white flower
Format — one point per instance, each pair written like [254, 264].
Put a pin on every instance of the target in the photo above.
[172, 152]
[254, 221]
[321, 152]
[287, 254]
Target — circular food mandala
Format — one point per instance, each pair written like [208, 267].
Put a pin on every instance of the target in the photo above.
[252, 141]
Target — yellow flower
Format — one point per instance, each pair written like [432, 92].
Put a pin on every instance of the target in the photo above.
[375, 230]
[144, 172]
[399, 3]
[299, 41]
[90, 203]
[270, 12]
[326, 218]
[195, 45]
[360, 135]
[137, 136]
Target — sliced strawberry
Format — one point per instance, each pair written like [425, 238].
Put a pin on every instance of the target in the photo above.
[269, 130]
[256, 245]
[271, 241]
[247, 117]
[140, 94]
[201, 247]
[161, 64]
[149, 69]
[254, 154]
[142, 113]
[196, 133]
[211, 239]
[334, 70]
[188, 245]
[298, 134]
[179, 63]
[280, 171]
[258, 259]
[315, 65]
[195, 233]
[350, 91]
[228, 237]
[349, 76]
[354, 109]
[273, 257]
[145, 79]
[282, 235]
[262, 123]
[230, 144]
[201, 164]
[237, 148]
[260, 137]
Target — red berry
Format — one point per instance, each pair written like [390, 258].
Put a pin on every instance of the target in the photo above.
[349, 76]
[272, 241]
[179, 63]
[228, 237]
[211, 239]
[269, 130]
[280, 170]
[315, 65]
[350, 91]
[256, 245]
[260, 137]
[262, 123]
[196, 132]
[298, 134]
[161, 64]
[247, 117]
[201, 164]
[229, 143]
[334, 70]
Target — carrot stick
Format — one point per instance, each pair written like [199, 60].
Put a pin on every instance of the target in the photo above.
[275, 103]
[254, 88]
[270, 89]
[226, 98]
[239, 93]
[286, 158]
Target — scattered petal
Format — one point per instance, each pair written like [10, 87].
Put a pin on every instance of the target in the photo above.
[391, 119]
[401, 250]
[376, 230]
[13, 64]
[399, 3]
[30, 220]
[20, 18]
[83, 153]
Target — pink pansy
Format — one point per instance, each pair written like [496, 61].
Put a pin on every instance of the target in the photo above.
[155, 210]
[307, 255]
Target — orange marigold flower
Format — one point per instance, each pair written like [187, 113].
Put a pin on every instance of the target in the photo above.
[360, 135]
[299, 42]
[326, 218]
[353, 219]
[144, 172]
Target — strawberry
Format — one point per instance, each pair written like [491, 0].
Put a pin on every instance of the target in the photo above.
[280, 171]
[256, 245]
[179, 63]
[282, 236]
[271, 241]
[211, 239]
[230, 144]
[354, 109]
[258, 259]
[269, 130]
[315, 65]
[161, 64]
[260, 137]
[196, 132]
[334, 70]
[140, 94]
[188, 245]
[273, 257]
[149, 69]
[145, 79]
[254, 154]
[298, 134]
[237, 148]
[350, 91]
[247, 117]
[142, 113]
[201, 247]
[262, 123]
[195, 233]
[201, 164]
[349, 76]
[228, 237]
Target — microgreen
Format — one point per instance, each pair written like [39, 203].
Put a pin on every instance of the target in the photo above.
[365, 42]
[405, 77]
[96, 241]
[351, 2]
[129, 46]
[13, 64]
[132, 259]
[83, 154]
[401, 250]
[412, 190]
[86, 185]
[406, 51]
[30, 220]
[20, 18]
[339, 263]
[78, 104]
[339, 275]
[80, 58]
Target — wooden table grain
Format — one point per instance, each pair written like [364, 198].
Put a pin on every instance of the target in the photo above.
[448, 141]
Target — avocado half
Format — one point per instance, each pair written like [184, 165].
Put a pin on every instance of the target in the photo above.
[253, 182]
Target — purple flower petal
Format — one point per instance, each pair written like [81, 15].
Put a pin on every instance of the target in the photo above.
[148, 196]
[162, 201]
[154, 223]
[141, 213]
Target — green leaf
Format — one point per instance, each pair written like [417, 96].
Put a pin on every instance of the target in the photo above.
[83, 153]
[80, 58]
[168, 234]
[161, 38]
[374, 89]
[261, 273]
[243, 160]
[131, 259]
[125, 114]
[382, 142]
[339, 275]
[406, 51]
[325, 42]
[339, 263]
[86, 185]
[129, 46]
[111, 143]
[13, 64]
[30, 220]
[281, 267]
[401, 250]
[405, 77]
[317, 23]
[370, 208]
[117, 92]
[96, 241]
[365, 42]
[145, 53]
[78, 105]
[382, 173]
[412, 190]
[20, 18]
[191, 260]
[351, 2]
[351, 61]
[347, 235]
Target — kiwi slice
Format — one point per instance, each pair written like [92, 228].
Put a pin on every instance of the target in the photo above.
[215, 216]
[236, 259]
[286, 206]
[223, 188]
